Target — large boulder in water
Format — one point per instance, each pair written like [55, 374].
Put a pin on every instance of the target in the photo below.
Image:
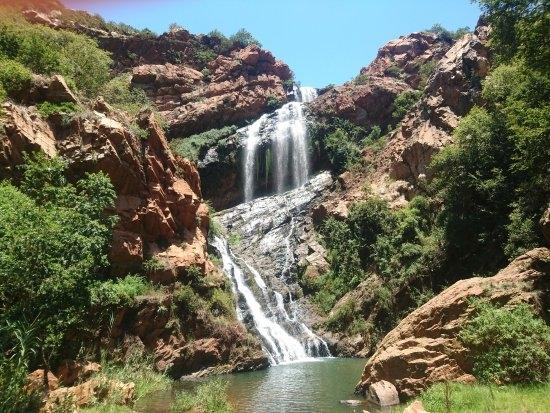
[424, 348]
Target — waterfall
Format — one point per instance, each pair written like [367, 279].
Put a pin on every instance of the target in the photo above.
[286, 130]
[268, 229]
[277, 342]
[260, 306]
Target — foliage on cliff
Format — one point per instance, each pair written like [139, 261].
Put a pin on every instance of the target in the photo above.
[489, 190]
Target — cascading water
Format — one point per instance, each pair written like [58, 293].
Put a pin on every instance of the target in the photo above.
[286, 129]
[261, 305]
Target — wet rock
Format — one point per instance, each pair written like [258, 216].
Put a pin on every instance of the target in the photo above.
[383, 393]
[424, 348]
[353, 403]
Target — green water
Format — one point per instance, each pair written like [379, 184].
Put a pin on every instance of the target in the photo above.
[312, 387]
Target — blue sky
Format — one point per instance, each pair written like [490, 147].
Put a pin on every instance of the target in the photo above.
[323, 41]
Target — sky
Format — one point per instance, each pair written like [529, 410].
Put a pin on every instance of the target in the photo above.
[323, 41]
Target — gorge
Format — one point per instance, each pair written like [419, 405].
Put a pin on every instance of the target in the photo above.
[186, 228]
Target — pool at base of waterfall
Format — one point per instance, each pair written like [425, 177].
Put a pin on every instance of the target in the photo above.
[301, 387]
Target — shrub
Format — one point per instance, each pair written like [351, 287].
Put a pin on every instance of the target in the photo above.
[343, 317]
[46, 51]
[116, 293]
[194, 147]
[138, 131]
[120, 93]
[361, 79]
[403, 103]
[67, 110]
[393, 71]
[221, 303]
[373, 137]
[272, 103]
[153, 264]
[508, 345]
[244, 38]
[425, 71]
[447, 34]
[186, 299]
[54, 246]
[14, 77]
[341, 151]
[204, 56]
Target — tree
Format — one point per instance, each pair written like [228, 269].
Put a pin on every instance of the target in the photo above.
[53, 243]
[244, 38]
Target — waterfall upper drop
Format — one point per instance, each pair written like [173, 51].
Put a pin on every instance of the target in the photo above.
[287, 131]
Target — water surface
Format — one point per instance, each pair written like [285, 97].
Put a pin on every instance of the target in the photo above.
[306, 387]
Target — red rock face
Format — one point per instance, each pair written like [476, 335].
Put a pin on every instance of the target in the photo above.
[396, 69]
[424, 348]
[232, 90]
[158, 196]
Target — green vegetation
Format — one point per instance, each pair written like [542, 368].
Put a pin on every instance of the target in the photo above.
[204, 56]
[243, 38]
[67, 110]
[119, 292]
[54, 247]
[508, 345]
[120, 93]
[25, 47]
[194, 147]
[480, 210]
[209, 397]
[425, 71]
[447, 34]
[14, 77]
[273, 102]
[361, 79]
[403, 103]
[463, 398]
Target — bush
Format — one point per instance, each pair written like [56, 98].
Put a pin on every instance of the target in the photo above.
[243, 38]
[14, 77]
[447, 34]
[425, 71]
[508, 345]
[120, 93]
[403, 103]
[47, 51]
[195, 147]
[361, 79]
[67, 110]
[186, 299]
[393, 71]
[204, 56]
[120, 292]
[341, 151]
[221, 303]
[54, 246]
[272, 103]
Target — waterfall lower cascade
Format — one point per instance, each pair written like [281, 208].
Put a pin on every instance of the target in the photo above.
[287, 131]
[260, 265]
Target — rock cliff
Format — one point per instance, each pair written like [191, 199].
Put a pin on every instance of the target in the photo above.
[424, 348]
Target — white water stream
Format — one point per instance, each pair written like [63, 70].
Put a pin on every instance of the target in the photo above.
[260, 306]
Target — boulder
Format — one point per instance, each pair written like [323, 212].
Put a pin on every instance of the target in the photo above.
[424, 347]
[383, 393]
[69, 371]
[88, 393]
[35, 381]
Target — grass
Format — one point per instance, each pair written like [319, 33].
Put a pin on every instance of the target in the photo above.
[463, 398]
[210, 397]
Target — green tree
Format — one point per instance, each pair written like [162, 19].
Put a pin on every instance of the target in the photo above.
[53, 243]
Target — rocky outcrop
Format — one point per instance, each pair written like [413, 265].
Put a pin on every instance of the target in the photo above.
[232, 89]
[424, 348]
[184, 342]
[452, 90]
[367, 101]
[158, 196]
